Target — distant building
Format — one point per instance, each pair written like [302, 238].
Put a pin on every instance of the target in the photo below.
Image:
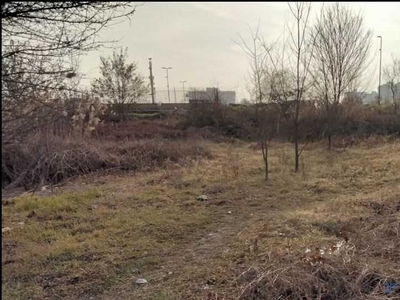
[228, 97]
[366, 98]
[387, 93]
[370, 98]
[211, 95]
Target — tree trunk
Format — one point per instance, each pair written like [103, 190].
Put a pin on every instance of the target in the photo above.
[331, 119]
[264, 149]
[277, 124]
[266, 162]
[329, 141]
[296, 147]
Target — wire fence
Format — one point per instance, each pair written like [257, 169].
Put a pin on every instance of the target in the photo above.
[178, 95]
[174, 96]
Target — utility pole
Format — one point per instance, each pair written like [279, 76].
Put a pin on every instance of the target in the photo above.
[175, 95]
[151, 80]
[183, 85]
[166, 69]
[380, 69]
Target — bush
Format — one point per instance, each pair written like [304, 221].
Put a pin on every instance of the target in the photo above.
[237, 122]
[48, 158]
[131, 130]
[118, 118]
[241, 122]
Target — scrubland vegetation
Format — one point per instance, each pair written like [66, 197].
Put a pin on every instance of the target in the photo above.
[290, 197]
[96, 235]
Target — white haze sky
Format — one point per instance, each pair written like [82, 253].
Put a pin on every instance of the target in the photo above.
[197, 39]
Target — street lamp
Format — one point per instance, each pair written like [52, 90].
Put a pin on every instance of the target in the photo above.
[183, 84]
[380, 69]
[166, 69]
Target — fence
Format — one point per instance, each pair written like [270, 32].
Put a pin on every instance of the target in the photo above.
[149, 108]
[178, 95]
[175, 96]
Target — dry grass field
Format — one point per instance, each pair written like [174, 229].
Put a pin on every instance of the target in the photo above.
[330, 231]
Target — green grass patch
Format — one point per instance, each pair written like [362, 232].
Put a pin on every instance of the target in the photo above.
[55, 203]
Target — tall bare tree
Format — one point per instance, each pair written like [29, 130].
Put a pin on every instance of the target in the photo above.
[39, 41]
[290, 76]
[257, 54]
[342, 47]
[303, 49]
[391, 75]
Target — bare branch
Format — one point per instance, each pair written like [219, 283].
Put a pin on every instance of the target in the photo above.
[40, 41]
[341, 55]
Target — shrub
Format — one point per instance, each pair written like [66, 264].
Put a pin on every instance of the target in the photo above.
[241, 122]
[131, 130]
[48, 158]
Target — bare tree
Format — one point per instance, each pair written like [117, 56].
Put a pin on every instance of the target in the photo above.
[120, 83]
[257, 51]
[290, 76]
[258, 57]
[303, 50]
[278, 85]
[39, 43]
[391, 75]
[342, 46]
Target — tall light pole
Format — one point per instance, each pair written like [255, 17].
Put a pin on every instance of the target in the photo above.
[380, 69]
[183, 85]
[166, 69]
[151, 81]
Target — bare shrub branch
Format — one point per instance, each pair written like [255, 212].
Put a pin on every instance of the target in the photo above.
[39, 43]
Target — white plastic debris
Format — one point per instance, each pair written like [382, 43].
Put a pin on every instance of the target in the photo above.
[338, 247]
[202, 198]
[5, 229]
[141, 281]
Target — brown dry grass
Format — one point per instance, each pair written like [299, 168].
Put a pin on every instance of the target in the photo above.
[95, 242]
[46, 158]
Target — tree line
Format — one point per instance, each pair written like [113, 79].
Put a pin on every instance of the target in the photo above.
[321, 60]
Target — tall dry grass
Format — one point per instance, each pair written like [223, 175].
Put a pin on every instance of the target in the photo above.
[47, 158]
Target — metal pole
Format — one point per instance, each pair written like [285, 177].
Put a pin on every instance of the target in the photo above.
[380, 69]
[169, 98]
[151, 81]
[183, 85]
[168, 68]
[175, 95]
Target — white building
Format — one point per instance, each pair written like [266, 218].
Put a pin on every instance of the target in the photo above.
[366, 98]
[228, 97]
[387, 93]
[212, 95]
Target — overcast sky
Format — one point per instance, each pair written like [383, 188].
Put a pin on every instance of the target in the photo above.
[197, 39]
